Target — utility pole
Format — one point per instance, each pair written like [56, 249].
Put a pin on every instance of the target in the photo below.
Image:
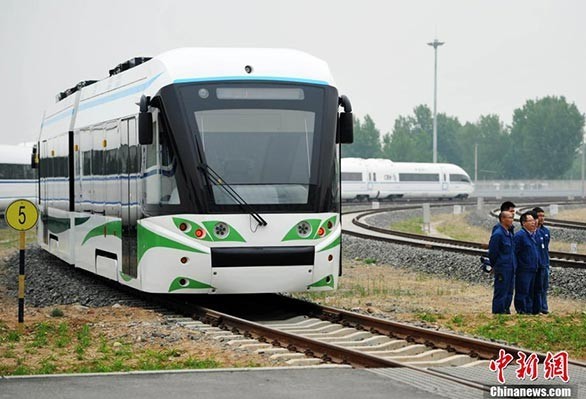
[435, 44]
[475, 162]
[583, 159]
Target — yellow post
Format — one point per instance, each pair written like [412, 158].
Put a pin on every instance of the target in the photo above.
[21, 282]
[21, 215]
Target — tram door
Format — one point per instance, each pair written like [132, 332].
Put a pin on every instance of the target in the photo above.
[44, 194]
[129, 171]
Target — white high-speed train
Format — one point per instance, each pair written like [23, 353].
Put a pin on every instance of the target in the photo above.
[17, 178]
[364, 179]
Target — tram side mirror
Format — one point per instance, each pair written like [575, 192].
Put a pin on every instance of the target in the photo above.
[345, 122]
[34, 158]
[346, 128]
[145, 122]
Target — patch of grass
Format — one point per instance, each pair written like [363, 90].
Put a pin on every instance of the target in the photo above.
[56, 312]
[540, 333]
[40, 337]
[457, 320]
[192, 363]
[428, 317]
[83, 341]
[412, 225]
[13, 336]
[47, 366]
[369, 261]
[457, 227]
[21, 370]
[63, 338]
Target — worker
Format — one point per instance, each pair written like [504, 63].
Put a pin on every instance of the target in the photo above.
[527, 262]
[502, 258]
[542, 277]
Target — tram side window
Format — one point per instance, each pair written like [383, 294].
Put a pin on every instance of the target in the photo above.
[169, 193]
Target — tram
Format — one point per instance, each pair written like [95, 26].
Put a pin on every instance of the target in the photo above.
[207, 171]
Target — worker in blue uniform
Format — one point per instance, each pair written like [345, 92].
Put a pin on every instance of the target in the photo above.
[542, 277]
[507, 206]
[527, 262]
[502, 258]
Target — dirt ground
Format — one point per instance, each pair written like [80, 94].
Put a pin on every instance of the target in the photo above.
[405, 295]
[146, 332]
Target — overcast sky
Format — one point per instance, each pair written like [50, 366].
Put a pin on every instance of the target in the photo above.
[497, 53]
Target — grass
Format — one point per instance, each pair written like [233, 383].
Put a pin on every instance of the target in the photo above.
[541, 333]
[60, 347]
[9, 238]
[457, 227]
[412, 225]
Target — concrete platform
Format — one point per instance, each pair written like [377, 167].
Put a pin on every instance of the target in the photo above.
[301, 382]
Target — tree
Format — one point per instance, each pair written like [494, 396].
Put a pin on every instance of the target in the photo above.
[493, 141]
[366, 140]
[411, 137]
[545, 136]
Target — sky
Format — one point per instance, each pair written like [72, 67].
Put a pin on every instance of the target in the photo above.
[497, 54]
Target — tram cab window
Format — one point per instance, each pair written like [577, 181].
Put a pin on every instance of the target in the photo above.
[169, 193]
[161, 168]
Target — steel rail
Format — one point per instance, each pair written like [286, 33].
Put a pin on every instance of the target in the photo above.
[312, 347]
[443, 340]
[559, 259]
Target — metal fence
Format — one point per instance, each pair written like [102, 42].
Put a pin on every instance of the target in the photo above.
[529, 188]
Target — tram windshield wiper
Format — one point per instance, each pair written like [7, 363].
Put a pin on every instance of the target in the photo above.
[216, 179]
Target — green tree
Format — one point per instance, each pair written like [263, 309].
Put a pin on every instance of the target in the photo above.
[493, 141]
[366, 140]
[545, 136]
[411, 137]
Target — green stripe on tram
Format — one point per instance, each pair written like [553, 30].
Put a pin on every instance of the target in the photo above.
[333, 244]
[108, 229]
[148, 239]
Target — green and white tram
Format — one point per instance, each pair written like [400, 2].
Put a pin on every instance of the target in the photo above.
[198, 171]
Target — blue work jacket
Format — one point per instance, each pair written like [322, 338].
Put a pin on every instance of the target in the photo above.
[543, 238]
[526, 251]
[501, 249]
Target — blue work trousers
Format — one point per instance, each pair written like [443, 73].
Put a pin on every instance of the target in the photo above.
[538, 290]
[504, 284]
[524, 290]
[544, 288]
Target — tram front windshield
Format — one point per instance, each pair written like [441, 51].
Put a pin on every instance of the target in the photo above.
[262, 140]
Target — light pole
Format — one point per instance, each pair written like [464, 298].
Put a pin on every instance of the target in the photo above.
[435, 44]
[583, 164]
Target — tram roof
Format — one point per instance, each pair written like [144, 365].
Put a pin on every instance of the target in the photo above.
[118, 94]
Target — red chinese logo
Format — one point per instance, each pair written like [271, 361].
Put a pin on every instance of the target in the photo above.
[556, 366]
[527, 366]
[553, 365]
[500, 364]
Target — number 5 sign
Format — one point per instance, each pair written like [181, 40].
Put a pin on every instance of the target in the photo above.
[21, 215]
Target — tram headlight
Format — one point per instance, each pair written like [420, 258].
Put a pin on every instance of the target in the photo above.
[304, 229]
[330, 225]
[321, 231]
[200, 233]
[221, 230]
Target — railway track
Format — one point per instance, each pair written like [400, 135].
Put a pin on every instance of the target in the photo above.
[343, 337]
[354, 224]
[550, 222]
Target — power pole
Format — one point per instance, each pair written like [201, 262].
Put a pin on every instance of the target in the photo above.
[435, 44]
